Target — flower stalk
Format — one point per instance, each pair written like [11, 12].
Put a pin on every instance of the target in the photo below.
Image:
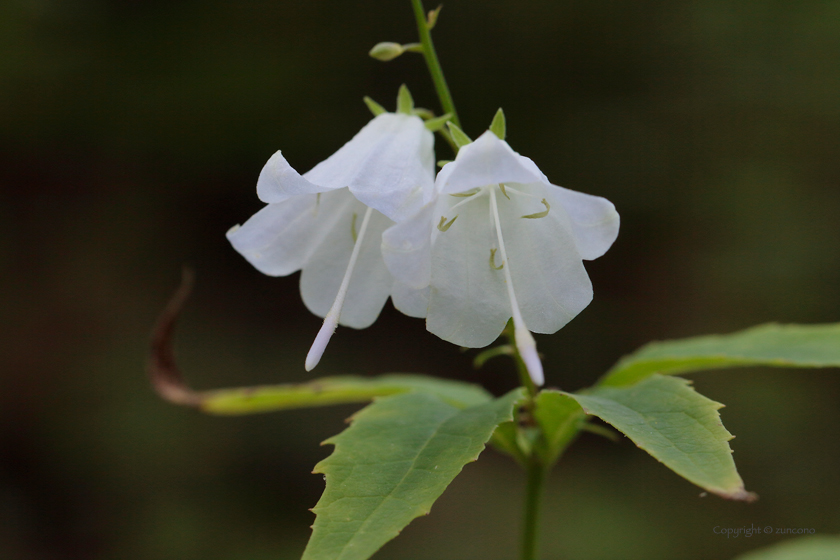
[423, 29]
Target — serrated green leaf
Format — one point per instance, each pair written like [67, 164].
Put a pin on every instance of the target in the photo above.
[396, 458]
[405, 103]
[337, 390]
[775, 345]
[374, 107]
[807, 548]
[561, 419]
[498, 126]
[676, 425]
[458, 136]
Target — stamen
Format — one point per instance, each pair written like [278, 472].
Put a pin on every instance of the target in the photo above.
[317, 204]
[466, 193]
[331, 320]
[502, 186]
[525, 344]
[520, 193]
[353, 226]
[493, 260]
[542, 214]
[444, 225]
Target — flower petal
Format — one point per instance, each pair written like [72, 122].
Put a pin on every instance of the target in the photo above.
[486, 161]
[278, 181]
[406, 248]
[410, 301]
[278, 239]
[370, 284]
[389, 165]
[594, 220]
[468, 302]
[549, 279]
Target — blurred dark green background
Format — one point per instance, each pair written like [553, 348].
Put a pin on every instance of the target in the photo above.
[131, 137]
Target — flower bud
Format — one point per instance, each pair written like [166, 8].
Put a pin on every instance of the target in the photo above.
[386, 51]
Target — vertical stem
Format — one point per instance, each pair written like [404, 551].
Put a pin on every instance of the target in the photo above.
[432, 62]
[533, 497]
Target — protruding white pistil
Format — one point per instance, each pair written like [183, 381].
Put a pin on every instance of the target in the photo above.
[331, 320]
[524, 341]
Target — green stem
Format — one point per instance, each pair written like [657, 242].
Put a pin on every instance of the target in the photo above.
[533, 496]
[432, 62]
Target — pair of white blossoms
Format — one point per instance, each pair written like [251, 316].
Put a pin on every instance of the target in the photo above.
[489, 239]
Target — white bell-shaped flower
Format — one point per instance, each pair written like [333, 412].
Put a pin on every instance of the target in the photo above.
[329, 222]
[499, 242]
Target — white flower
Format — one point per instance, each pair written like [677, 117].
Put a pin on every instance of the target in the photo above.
[329, 223]
[500, 242]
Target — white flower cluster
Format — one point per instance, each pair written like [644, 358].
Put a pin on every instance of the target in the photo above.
[487, 240]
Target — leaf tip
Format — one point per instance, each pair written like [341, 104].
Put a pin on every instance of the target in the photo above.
[162, 368]
[748, 497]
[740, 494]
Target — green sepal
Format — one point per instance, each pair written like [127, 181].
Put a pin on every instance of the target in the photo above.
[458, 136]
[438, 123]
[405, 103]
[424, 114]
[442, 162]
[498, 126]
[374, 107]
